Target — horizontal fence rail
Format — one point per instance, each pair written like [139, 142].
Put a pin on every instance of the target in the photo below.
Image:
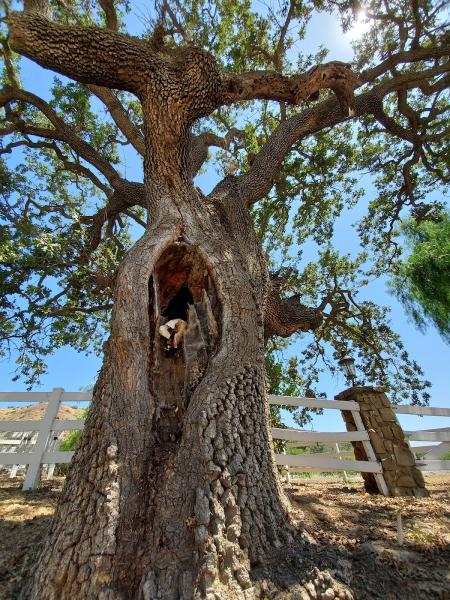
[429, 411]
[35, 442]
[44, 396]
[429, 435]
[314, 402]
[58, 425]
[433, 465]
[317, 436]
[321, 463]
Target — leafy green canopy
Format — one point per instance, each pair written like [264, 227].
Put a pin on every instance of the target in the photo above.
[66, 219]
[422, 281]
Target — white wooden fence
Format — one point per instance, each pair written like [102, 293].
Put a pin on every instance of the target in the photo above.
[322, 462]
[314, 462]
[442, 435]
[35, 443]
[42, 432]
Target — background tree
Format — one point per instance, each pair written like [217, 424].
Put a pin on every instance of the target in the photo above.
[422, 279]
[173, 490]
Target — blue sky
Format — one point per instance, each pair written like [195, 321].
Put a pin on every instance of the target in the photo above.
[72, 370]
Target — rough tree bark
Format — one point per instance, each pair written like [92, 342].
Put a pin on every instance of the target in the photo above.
[173, 492]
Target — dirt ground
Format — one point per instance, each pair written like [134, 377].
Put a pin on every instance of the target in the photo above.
[352, 538]
[357, 537]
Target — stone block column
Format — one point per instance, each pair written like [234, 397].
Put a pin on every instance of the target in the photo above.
[388, 441]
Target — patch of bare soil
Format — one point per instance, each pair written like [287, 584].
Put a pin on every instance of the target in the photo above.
[355, 538]
[24, 520]
[347, 541]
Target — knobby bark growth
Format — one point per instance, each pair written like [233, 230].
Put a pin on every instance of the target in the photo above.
[173, 492]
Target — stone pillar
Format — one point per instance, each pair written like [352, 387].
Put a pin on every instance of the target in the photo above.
[388, 441]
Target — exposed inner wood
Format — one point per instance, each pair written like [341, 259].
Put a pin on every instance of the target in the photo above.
[183, 291]
[180, 293]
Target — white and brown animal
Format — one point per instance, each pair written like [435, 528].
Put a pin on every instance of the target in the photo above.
[173, 331]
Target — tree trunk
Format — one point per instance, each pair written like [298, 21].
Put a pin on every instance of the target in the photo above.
[173, 492]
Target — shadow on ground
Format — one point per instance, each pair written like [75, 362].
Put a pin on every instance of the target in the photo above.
[346, 540]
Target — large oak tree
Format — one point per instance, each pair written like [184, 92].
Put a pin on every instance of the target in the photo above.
[173, 491]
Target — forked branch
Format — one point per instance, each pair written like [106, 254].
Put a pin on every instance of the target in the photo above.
[120, 117]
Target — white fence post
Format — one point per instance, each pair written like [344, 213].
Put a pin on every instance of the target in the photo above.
[370, 454]
[26, 442]
[344, 474]
[34, 466]
[52, 445]
[288, 474]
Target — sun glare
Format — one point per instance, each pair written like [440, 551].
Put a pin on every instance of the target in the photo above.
[360, 26]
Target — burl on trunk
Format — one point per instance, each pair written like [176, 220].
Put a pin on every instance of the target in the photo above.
[173, 492]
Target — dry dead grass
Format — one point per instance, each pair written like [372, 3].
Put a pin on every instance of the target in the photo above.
[24, 520]
[36, 411]
[354, 537]
[345, 514]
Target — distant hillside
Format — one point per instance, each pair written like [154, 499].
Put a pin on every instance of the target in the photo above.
[34, 412]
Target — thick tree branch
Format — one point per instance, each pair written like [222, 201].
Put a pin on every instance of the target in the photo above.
[87, 54]
[257, 182]
[392, 126]
[285, 316]
[409, 56]
[110, 14]
[414, 134]
[267, 85]
[417, 79]
[109, 59]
